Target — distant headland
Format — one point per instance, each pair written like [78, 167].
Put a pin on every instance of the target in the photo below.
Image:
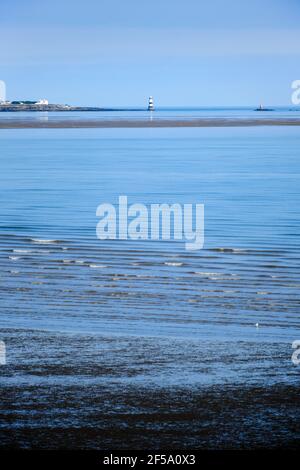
[43, 105]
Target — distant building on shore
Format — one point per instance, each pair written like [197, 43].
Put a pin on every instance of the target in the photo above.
[43, 102]
[3, 101]
[150, 104]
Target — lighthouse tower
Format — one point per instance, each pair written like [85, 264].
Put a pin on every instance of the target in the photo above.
[150, 104]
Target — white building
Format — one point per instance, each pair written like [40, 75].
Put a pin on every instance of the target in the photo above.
[42, 102]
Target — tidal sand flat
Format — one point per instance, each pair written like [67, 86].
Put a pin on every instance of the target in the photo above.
[85, 391]
[151, 122]
[142, 344]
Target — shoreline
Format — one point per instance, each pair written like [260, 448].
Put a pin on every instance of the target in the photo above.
[122, 405]
[143, 123]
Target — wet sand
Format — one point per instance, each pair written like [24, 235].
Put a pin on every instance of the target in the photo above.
[66, 391]
[143, 123]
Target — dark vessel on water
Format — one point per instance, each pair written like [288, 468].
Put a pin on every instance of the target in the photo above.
[261, 108]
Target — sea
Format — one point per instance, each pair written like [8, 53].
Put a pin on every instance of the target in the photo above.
[141, 342]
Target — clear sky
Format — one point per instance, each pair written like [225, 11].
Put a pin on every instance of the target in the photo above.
[118, 52]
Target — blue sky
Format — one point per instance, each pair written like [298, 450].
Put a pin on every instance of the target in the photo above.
[118, 52]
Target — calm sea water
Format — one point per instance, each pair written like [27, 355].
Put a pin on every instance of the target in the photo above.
[76, 310]
[277, 112]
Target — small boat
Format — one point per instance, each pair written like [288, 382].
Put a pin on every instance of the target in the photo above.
[261, 108]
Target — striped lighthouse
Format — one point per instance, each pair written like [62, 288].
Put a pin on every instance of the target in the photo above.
[150, 104]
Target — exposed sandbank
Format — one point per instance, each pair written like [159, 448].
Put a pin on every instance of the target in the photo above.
[143, 123]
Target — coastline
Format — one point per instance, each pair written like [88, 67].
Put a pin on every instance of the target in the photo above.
[144, 123]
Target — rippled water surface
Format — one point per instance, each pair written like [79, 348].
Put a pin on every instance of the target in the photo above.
[93, 316]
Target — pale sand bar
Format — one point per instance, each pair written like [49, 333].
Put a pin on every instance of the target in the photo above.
[142, 123]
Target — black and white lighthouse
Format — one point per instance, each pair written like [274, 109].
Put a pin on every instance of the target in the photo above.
[150, 104]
